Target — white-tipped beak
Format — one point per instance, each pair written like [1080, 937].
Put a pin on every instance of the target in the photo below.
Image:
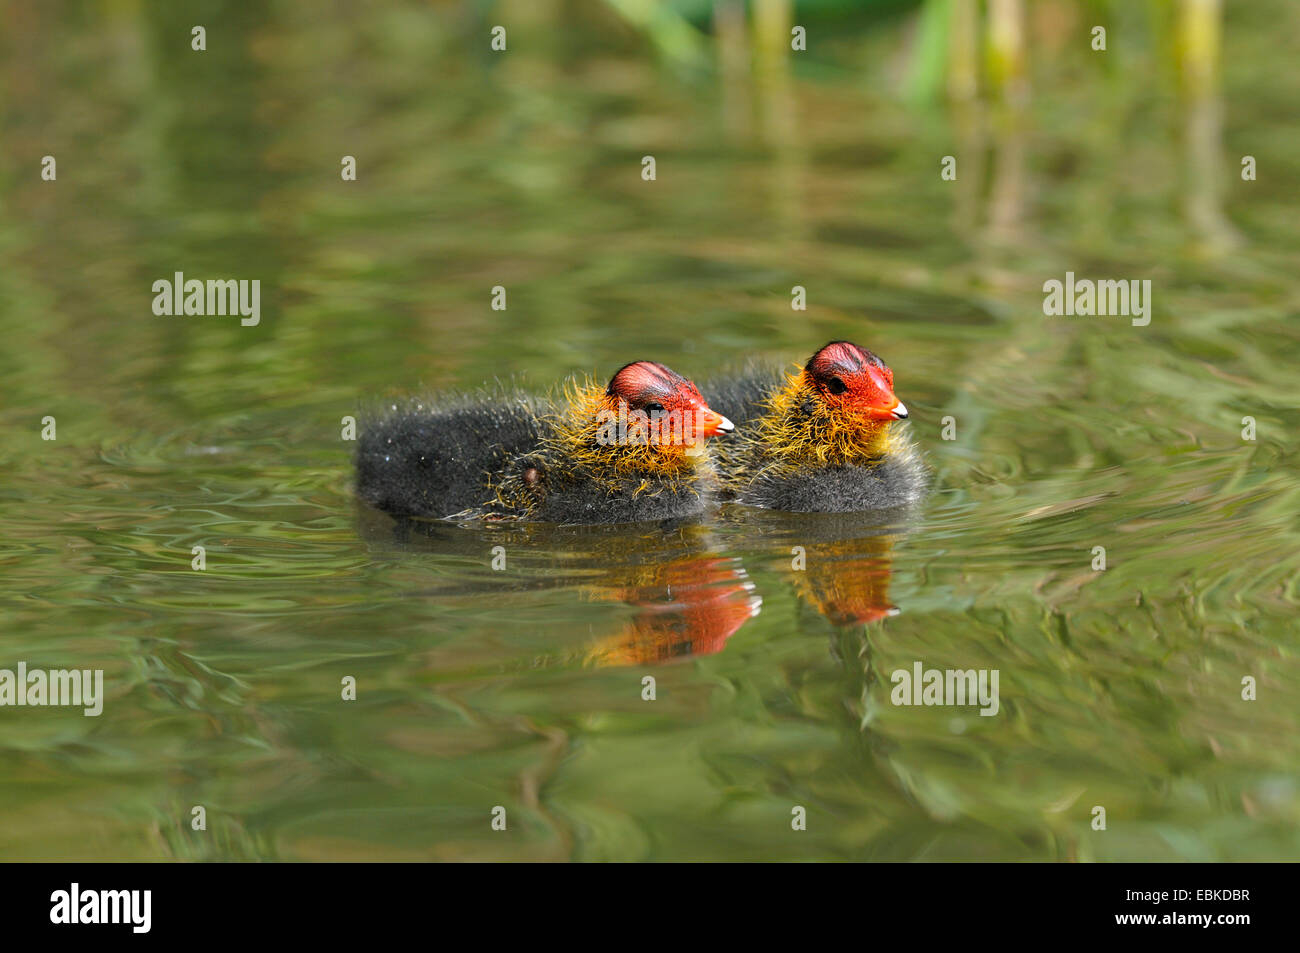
[726, 426]
[900, 412]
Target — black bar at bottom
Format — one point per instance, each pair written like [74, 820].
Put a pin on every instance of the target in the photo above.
[1217, 903]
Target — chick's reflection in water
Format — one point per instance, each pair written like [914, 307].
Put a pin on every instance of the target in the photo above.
[839, 564]
[686, 599]
[847, 581]
[685, 607]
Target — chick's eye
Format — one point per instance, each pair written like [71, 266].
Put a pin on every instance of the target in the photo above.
[654, 408]
[836, 386]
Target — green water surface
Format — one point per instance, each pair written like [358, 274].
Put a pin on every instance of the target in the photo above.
[522, 687]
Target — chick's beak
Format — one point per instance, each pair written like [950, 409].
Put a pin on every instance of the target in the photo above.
[890, 409]
[885, 406]
[712, 423]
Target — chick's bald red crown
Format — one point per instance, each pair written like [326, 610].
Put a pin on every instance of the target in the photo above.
[849, 377]
[846, 377]
[660, 393]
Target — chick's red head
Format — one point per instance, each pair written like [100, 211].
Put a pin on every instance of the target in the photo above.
[672, 405]
[851, 379]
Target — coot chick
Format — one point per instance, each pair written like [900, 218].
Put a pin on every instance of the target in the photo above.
[825, 438]
[633, 450]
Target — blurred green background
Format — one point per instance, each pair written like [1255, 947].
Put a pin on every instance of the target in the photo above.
[775, 168]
